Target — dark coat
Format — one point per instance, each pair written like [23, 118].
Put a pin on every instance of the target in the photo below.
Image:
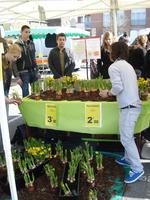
[146, 71]
[104, 63]
[27, 60]
[55, 66]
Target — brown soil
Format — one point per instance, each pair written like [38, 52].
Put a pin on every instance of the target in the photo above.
[104, 181]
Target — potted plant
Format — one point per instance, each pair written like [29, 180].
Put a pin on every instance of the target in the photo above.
[99, 161]
[69, 92]
[88, 152]
[16, 155]
[30, 162]
[63, 156]
[2, 163]
[65, 190]
[29, 181]
[23, 166]
[92, 194]
[89, 172]
[36, 89]
[50, 172]
[58, 90]
[58, 149]
[143, 88]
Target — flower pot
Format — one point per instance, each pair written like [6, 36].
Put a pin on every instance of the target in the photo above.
[144, 96]
[111, 98]
[43, 96]
[54, 189]
[58, 97]
[69, 96]
[37, 97]
[86, 95]
[94, 95]
[31, 188]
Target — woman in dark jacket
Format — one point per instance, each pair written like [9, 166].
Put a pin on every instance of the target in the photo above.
[137, 55]
[104, 63]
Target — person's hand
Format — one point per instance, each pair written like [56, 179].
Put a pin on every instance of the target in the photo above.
[103, 93]
[13, 101]
[19, 82]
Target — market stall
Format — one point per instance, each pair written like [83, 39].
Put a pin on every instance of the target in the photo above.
[72, 115]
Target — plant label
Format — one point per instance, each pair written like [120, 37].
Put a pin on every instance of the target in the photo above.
[92, 115]
[50, 115]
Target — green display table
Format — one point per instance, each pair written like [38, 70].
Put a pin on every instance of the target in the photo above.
[70, 116]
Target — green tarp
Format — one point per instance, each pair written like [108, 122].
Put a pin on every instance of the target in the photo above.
[71, 116]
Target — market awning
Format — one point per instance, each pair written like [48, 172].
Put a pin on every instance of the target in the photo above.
[11, 10]
[38, 33]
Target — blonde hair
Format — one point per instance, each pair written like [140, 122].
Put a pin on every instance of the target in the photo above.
[142, 40]
[106, 35]
[14, 48]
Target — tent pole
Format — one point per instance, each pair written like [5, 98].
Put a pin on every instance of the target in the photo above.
[113, 13]
[5, 135]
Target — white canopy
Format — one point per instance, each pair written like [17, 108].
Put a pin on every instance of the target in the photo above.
[11, 10]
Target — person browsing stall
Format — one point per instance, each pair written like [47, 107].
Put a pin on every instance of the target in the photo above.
[11, 54]
[26, 69]
[125, 87]
[60, 60]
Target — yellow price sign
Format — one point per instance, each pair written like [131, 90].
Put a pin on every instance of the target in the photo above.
[50, 115]
[93, 115]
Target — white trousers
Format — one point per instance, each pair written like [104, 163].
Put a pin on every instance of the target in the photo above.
[128, 118]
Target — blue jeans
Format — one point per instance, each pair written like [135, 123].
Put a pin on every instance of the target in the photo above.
[128, 118]
[28, 77]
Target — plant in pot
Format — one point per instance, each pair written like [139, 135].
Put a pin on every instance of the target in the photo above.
[50, 172]
[99, 86]
[78, 92]
[30, 162]
[66, 190]
[89, 172]
[49, 151]
[87, 86]
[92, 194]
[69, 92]
[45, 87]
[99, 161]
[63, 156]
[2, 163]
[23, 166]
[16, 155]
[29, 181]
[74, 163]
[143, 88]
[88, 152]
[50, 90]
[148, 86]
[94, 92]
[35, 90]
[58, 149]
[37, 149]
[58, 89]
